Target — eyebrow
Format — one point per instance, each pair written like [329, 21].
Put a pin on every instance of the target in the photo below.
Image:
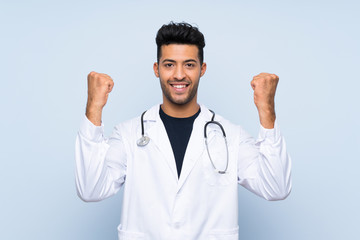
[173, 61]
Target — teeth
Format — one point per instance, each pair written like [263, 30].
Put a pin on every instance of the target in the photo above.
[179, 86]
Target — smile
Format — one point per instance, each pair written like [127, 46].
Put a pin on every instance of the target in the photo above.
[179, 86]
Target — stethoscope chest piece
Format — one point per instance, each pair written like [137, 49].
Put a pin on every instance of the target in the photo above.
[143, 141]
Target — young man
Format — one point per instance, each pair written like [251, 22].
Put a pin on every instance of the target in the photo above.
[176, 185]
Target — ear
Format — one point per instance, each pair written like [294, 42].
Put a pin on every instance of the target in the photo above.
[156, 69]
[203, 69]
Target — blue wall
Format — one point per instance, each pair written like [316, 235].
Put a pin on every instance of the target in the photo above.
[48, 48]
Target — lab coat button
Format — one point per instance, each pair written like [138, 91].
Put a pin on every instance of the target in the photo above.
[177, 225]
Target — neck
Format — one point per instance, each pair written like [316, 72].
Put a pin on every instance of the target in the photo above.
[180, 111]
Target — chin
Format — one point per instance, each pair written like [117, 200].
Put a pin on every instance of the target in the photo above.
[179, 102]
[182, 101]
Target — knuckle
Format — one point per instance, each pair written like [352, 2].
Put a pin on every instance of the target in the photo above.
[102, 77]
[92, 73]
[274, 76]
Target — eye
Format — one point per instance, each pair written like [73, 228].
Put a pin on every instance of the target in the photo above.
[167, 65]
[190, 65]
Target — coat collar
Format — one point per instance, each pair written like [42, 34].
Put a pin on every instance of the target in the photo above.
[153, 113]
[155, 129]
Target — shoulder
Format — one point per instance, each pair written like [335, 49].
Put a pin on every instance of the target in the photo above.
[133, 125]
[232, 130]
[128, 124]
[218, 118]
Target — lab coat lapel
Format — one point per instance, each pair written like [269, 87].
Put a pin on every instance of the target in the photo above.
[195, 147]
[159, 137]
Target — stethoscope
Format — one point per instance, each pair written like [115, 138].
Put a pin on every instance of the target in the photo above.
[144, 140]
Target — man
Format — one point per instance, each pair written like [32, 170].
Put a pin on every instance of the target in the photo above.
[176, 185]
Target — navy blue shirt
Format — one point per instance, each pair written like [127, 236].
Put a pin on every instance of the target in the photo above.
[179, 132]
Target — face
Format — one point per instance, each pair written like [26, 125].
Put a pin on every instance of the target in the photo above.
[179, 71]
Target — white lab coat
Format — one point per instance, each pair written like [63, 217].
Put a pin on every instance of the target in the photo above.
[202, 204]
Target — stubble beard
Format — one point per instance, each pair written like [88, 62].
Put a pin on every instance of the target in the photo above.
[166, 91]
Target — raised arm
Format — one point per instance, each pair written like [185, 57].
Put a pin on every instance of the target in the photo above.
[100, 162]
[264, 166]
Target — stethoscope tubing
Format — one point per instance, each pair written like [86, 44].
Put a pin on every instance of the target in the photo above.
[144, 140]
[207, 145]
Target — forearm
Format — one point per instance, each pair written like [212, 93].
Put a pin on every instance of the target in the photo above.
[265, 166]
[100, 163]
[274, 166]
[94, 114]
[90, 168]
[267, 117]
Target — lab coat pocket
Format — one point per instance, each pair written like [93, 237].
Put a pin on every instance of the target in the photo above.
[224, 234]
[130, 235]
[218, 159]
[212, 177]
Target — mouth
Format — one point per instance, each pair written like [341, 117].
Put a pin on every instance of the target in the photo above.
[179, 87]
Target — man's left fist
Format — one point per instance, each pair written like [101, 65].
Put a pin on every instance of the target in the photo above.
[264, 86]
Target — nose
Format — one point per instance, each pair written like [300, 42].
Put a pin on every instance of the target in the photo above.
[179, 73]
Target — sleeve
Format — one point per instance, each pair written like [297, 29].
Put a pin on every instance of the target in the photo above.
[100, 162]
[264, 166]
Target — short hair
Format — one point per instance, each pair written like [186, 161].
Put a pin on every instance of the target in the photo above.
[180, 33]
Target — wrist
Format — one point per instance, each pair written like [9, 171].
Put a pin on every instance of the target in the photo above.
[267, 118]
[94, 113]
[94, 104]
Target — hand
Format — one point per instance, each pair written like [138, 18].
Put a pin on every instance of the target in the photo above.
[99, 87]
[264, 86]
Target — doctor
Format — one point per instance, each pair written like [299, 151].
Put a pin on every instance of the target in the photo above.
[176, 184]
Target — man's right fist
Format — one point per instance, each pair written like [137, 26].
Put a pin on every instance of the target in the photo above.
[99, 87]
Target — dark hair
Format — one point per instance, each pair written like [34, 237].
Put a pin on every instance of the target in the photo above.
[180, 33]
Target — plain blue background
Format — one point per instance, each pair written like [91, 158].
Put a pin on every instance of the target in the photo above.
[48, 48]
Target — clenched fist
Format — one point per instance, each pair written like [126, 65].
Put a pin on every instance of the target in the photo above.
[99, 87]
[264, 86]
